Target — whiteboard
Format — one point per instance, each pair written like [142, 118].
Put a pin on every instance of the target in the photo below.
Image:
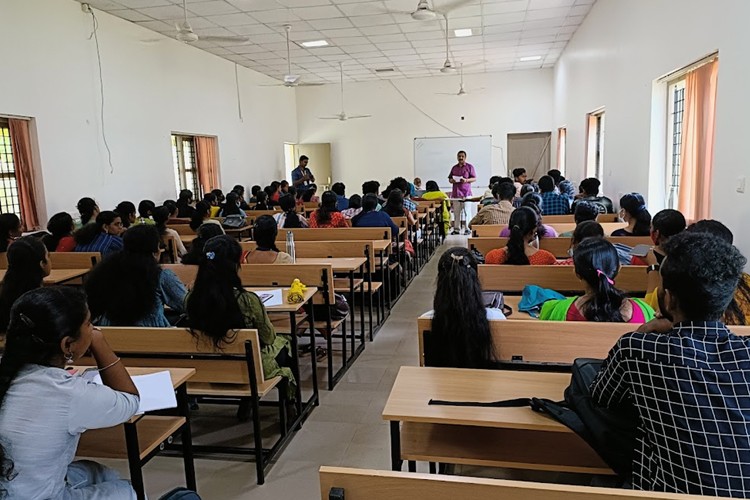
[434, 157]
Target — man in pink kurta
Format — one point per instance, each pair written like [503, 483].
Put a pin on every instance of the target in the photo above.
[461, 176]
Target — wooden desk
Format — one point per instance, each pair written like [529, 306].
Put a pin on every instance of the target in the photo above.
[144, 435]
[57, 276]
[187, 239]
[512, 301]
[500, 437]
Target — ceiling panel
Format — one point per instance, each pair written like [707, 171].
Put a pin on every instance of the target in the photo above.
[368, 34]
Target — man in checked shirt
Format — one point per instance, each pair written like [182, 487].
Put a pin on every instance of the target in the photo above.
[690, 386]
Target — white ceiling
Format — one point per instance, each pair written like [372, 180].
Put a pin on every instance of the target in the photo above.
[363, 37]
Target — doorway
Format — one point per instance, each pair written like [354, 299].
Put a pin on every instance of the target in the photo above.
[530, 151]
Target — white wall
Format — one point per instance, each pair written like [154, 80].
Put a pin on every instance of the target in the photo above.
[381, 147]
[613, 61]
[150, 90]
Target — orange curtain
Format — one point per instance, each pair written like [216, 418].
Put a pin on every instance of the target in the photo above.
[21, 144]
[207, 162]
[697, 152]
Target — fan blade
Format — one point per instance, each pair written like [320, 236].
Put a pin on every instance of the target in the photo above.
[224, 39]
[329, 118]
[354, 117]
[305, 84]
[446, 93]
[449, 7]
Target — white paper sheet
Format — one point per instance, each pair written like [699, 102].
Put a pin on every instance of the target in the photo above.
[155, 389]
[270, 298]
[457, 178]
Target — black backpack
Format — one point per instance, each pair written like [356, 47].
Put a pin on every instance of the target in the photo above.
[612, 434]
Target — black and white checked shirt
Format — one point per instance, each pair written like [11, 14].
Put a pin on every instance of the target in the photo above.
[691, 389]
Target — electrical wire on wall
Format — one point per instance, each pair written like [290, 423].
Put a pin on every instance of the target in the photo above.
[427, 115]
[237, 84]
[95, 36]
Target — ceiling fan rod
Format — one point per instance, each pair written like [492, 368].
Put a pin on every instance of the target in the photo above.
[288, 28]
[341, 75]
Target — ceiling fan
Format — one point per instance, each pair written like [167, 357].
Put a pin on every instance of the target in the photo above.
[343, 116]
[424, 12]
[448, 65]
[291, 80]
[461, 89]
[186, 34]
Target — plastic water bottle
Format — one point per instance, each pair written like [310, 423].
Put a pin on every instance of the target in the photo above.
[290, 245]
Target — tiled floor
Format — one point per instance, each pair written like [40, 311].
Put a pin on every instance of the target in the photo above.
[346, 429]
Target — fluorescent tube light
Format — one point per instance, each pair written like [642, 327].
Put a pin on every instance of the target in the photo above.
[530, 58]
[315, 43]
[463, 32]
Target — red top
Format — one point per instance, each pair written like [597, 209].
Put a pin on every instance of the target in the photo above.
[575, 315]
[66, 244]
[337, 220]
[540, 258]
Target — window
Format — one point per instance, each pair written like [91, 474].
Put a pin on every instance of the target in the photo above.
[9, 201]
[185, 167]
[595, 145]
[675, 112]
[562, 138]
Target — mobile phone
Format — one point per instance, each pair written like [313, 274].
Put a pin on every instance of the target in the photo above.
[640, 250]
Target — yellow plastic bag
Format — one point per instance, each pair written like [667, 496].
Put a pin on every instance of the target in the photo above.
[296, 292]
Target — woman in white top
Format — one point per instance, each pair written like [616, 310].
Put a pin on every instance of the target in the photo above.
[460, 333]
[288, 217]
[44, 409]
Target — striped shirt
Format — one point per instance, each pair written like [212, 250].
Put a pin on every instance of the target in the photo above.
[103, 243]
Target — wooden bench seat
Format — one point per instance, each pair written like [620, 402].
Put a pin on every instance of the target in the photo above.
[557, 246]
[153, 431]
[493, 230]
[512, 279]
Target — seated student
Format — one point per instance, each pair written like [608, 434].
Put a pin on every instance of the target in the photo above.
[664, 225]
[232, 206]
[738, 311]
[371, 217]
[403, 185]
[261, 201]
[218, 304]
[254, 193]
[327, 216]
[519, 179]
[418, 191]
[204, 233]
[487, 197]
[88, 210]
[597, 264]
[219, 196]
[275, 192]
[525, 189]
[288, 217]
[171, 205]
[239, 190]
[586, 229]
[284, 187]
[394, 206]
[584, 211]
[355, 207]
[60, 239]
[460, 333]
[10, 229]
[342, 203]
[213, 202]
[28, 264]
[44, 408]
[161, 215]
[523, 242]
[265, 231]
[102, 236]
[687, 388]
[373, 187]
[552, 202]
[126, 211]
[129, 288]
[185, 204]
[589, 191]
[534, 201]
[202, 215]
[310, 194]
[433, 193]
[499, 212]
[633, 211]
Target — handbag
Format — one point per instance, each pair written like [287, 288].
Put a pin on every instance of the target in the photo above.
[496, 300]
[610, 433]
[233, 221]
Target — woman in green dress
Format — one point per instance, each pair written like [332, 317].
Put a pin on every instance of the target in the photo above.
[218, 305]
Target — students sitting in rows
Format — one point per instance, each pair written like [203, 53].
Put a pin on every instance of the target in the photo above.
[584, 211]
[160, 216]
[28, 265]
[289, 217]
[534, 201]
[202, 215]
[395, 207]
[373, 187]
[564, 186]
[597, 264]
[460, 333]
[44, 409]
[327, 216]
[552, 202]
[500, 211]
[88, 210]
[403, 185]
[525, 190]
[232, 206]
[261, 201]
[218, 304]
[310, 194]
[371, 217]
[664, 225]
[633, 211]
[523, 242]
[689, 388]
[10, 229]
[584, 230]
[589, 191]
[102, 236]
[355, 207]
[239, 189]
[60, 239]
[434, 193]
[204, 233]
[265, 231]
[129, 288]
[185, 204]
[342, 203]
